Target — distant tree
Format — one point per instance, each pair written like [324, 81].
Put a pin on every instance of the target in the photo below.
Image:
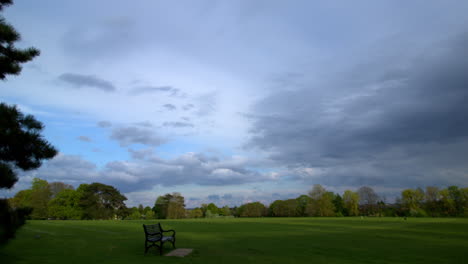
[255, 209]
[321, 202]
[432, 201]
[339, 205]
[176, 207]
[141, 209]
[65, 205]
[160, 207]
[134, 215]
[412, 201]
[150, 215]
[146, 209]
[225, 211]
[284, 208]
[22, 199]
[171, 206]
[368, 200]
[452, 201]
[302, 202]
[40, 197]
[213, 208]
[196, 213]
[56, 187]
[100, 201]
[351, 202]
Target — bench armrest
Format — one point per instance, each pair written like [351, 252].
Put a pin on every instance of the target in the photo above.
[171, 230]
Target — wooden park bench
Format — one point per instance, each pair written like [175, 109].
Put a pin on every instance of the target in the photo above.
[154, 234]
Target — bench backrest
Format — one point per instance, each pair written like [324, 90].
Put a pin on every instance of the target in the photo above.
[153, 231]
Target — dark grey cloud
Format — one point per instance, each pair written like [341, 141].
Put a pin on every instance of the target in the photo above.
[84, 139]
[104, 124]
[154, 89]
[178, 124]
[170, 107]
[145, 170]
[136, 135]
[144, 124]
[71, 169]
[213, 197]
[391, 121]
[80, 80]
[188, 107]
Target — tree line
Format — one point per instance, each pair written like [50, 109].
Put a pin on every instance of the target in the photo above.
[57, 200]
[431, 202]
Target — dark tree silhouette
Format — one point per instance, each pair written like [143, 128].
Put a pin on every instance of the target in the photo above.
[21, 144]
[10, 56]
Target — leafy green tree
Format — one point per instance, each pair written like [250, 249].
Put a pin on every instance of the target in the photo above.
[412, 202]
[160, 207]
[150, 215]
[134, 215]
[225, 211]
[452, 201]
[339, 205]
[100, 201]
[22, 199]
[213, 208]
[432, 203]
[40, 197]
[171, 206]
[255, 209]
[351, 202]
[56, 187]
[321, 202]
[176, 207]
[302, 202]
[65, 205]
[284, 208]
[196, 213]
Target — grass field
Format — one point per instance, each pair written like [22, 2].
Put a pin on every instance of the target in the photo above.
[260, 240]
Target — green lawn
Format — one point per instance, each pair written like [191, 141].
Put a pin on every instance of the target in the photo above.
[242, 240]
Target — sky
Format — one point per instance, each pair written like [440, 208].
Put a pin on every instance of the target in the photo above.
[239, 101]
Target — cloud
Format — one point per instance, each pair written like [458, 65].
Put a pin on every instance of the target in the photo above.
[207, 104]
[392, 121]
[170, 107]
[146, 170]
[104, 124]
[213, 197]
[144, 124]
[188, 107]
[84, 139]
[178, 124]
[79, 81]
[154, 89]
[135, 135]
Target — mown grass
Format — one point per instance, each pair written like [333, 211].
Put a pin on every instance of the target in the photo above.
[241, 240]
